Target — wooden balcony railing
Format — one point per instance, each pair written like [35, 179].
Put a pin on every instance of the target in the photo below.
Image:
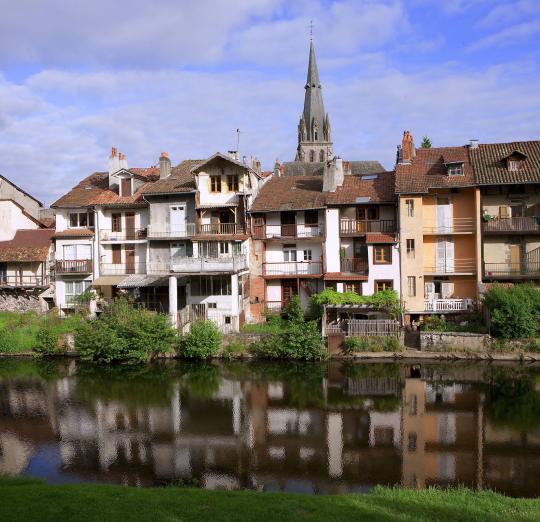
[23, 281]
[524, 269]
[451, 226]
[355, 265]
[168, 231]
[455, 266]
[221, 229]
[299, 268]
[361, 226]
[512, 224]
[122, 268]
[74, 266]
[123, 235]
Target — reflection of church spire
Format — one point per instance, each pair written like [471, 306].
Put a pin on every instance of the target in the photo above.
[314, 138]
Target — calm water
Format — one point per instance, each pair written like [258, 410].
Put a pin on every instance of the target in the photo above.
[328, 428]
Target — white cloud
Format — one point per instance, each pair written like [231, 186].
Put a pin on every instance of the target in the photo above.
[511, 35]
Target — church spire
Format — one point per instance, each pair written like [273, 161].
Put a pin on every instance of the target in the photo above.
[314, 141]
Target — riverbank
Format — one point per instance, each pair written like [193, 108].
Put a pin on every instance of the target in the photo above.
[29, 499]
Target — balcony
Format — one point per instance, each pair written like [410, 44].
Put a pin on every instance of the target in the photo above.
[509, 225]
[354, 265]
[23, 281]
[293, 231]
[135, 234]
[447, 305]
[167, 231]
[122, 268]
[523, 270]
[450, 226]
[196, 265]
[293, 268]
[358, 227]
[221, 229]
[74, 266]
[455, 266]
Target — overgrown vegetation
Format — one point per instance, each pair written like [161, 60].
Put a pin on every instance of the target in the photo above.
[124, 333]
[300, 340]
[21, 332]
[387, 300]
[473, 324]
[273, 324]
[388, 343]
[515, 311]
[202, 341]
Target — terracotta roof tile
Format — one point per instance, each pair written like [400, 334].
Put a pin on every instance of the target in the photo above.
[87, 190]
[27, 246]
[75, 232]
[379, 190]
[376, 237]
[490, 167]
[428, 170]
[180, 180]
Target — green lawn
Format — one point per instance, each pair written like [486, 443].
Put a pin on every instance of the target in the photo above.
[18, 330]
[28, 499]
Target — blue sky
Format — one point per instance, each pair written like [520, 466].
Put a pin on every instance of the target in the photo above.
[77, 78]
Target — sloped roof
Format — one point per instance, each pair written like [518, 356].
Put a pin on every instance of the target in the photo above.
[27, 246]
[378, 190]
[3, 178]
[306, 168]
[290, 193]
[74, 232]
[428, 170]
[85, 192]
[378, 237]
[180, 180]
[490, 167]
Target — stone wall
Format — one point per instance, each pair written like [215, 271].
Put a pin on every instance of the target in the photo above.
[245, 338]
[19, 302]
[454, 341]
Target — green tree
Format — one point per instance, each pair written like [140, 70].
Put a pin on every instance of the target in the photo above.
[295, 313]
[202, 341]
[426, 143]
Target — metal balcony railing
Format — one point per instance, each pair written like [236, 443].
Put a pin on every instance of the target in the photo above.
[299, 268]
[23, 281]
[523, 269]
[454, 266]
[451, 226]
[355, 265]
[512, 224]
[123, 235]
[122, 268]
[168, 231]
[361, 226]
[74, 266]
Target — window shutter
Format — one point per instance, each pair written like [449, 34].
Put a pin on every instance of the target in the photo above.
[429, 289]
[503, 211]
[447, 289]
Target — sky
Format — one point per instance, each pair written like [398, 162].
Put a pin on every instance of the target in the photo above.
[180, 76]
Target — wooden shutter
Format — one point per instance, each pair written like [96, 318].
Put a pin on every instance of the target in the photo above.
[503, 211]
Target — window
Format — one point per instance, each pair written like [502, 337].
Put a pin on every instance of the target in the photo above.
[382, 254]
[412, 441]
[411, 286]
[308, 255]
[413, 405]
[208, 249]
[77, 252]
[321, 156]
[212, 305]
[312, 155]
[514, 165]
[410, 248]
[237, 248]
[211, 285]
[75, 288]
[125, 187]
[311, 218]
[455, 169]
[410, 207]
[81, 219]
[289, 252]
[381, 286]
[215, 183]
[367, 213]
[232, 183]
[116, 222]
[354, 287]
[223, 248]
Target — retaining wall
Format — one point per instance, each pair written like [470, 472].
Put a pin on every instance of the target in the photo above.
[450, 341]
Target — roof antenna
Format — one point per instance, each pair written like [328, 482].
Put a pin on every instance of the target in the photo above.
[238, 141]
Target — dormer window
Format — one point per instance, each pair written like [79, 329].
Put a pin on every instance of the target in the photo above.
[125, 187]
[514, 165]
[513, 161]
[455, 169]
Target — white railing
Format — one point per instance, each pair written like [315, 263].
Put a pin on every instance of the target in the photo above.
[166, 230]
[450, 226]
[295, 231]
[200, 312]
[200, 265]
[447, 305]
[293, 268]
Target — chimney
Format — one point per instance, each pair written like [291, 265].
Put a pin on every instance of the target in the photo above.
[277, 168]
[408, 152]
[114, 162]
[233, 154]
[473, 143]
[164, 166]
[122, 160]
[333, 175]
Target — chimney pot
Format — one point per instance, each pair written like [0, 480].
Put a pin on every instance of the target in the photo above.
[114, 150]
[164, 166]
[408, 151]
[473, 144]
[164, 155]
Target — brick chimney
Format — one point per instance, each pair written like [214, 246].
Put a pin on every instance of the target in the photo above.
[408, 152]
[164, 165]
[123, 161]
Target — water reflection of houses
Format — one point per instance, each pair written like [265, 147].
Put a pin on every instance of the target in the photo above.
[350, 429]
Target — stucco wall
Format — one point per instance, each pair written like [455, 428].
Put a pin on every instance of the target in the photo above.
[8, 191]
[12, 219]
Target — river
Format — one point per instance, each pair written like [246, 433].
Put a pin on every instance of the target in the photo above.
[309, 428]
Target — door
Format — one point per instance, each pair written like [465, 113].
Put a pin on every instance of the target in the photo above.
[515, 257]
[116, 254]
[130, 225]
[445, 255]
[444, 215]
[226, 222]
[3, 272]
[130, 259]
[178, 250]
[178, 220]
[288, 289]
[288, 224]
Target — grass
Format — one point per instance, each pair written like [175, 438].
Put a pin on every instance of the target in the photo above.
[18, 331]
[273, 325]
[27, 499]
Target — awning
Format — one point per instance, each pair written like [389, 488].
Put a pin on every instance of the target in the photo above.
[110, 280]
[139, 281]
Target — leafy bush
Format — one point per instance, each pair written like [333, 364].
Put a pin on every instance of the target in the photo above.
[295, 314]
[515, 311]
[234, 349]
[474, 324]
[202, 341]
[47, 341]
[372, 344]
[273, 324]
[123, 333]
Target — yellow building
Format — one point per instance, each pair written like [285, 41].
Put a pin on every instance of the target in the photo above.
[440, 240]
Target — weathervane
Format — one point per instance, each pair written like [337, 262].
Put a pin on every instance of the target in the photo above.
[311, 30]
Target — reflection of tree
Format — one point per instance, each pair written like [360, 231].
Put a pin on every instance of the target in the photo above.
[513, 400]
[201, 379]
[45, 369]
[144, 385]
